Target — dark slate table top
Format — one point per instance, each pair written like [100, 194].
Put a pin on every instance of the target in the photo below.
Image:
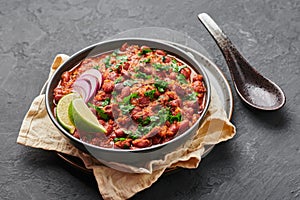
[261, 162]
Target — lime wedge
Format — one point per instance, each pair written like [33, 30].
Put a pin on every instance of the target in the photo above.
[62, 112]
[83, 117]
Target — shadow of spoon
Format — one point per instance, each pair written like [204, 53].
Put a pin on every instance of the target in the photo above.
[253, 88]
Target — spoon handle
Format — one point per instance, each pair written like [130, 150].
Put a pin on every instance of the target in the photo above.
[237, 64]
[215, 31]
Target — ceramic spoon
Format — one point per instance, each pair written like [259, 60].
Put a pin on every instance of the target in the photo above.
[253, 88]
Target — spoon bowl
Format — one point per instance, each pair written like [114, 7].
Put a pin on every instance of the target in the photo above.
[253, 88]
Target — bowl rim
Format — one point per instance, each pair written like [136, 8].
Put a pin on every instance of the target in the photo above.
[124, 40]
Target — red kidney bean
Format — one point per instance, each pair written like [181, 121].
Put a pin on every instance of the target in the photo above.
[198, 77]
[186, 72]
[173, 76]
[141, 143]
[144, 101]
[124, 144]
[109, 129]
[126, 66]
[101, 95]
[66, 76]
[76, 134]
[183, 125]
[198, 86]
[172, 130]
[57, 97]
[167, 59]
[179, 91]
[108, 86]
[160, 52]
[124, 47]
[175, 103]
[152, 133]
[119, 87]
[119, 133]
[125, 92]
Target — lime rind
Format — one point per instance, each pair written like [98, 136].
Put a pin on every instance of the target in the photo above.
[83, 118]
[62, 112]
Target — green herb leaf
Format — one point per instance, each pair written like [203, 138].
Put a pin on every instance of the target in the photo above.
[142, 75]
[96, 67]
[122, 58]
[133, 135]
[126, 108]
[193, 96]
[144, 51]
[147, 60]
[181, 78]
[127, 99]
[100, 111]
[160, 85]
[154, 118]
[163, 115]
[106, 61]
[145, 121]
[143, 130]
[106, 102]
[150, 94]
[172, 118]
[118, 80]
[160, 67]
[129, 82]
[119, 139]
[115, 53]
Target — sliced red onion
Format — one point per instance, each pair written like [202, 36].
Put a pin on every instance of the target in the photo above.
[96, 73]
[82, 87]
[94, 84]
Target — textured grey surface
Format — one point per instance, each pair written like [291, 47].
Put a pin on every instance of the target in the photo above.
[261, 162]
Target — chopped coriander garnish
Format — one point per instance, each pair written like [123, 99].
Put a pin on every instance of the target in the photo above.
[96, 67]
[115, 52]
[160, 85]
[176, 67]
[129, 82]
[145, 121]
[119, 139]
[100, 111]
[118, 80]
[163, 116]
[144, 51]
[122, 58]
[181, 78]
[106, 61]
[126, 108]
[142, 75]
[172, 118]
[127, 99]
[150, 94]
[159, 66]
[142, 130]
[131, 134]
[147, 60]
[106, 102]
[154, 118]
[114, 93]
[193, 96]
[117, 66]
